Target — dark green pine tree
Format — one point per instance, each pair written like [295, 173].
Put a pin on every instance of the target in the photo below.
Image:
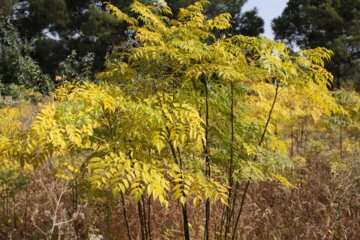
[17, 67]
[334, 24]
[250, 24]
[61, 26]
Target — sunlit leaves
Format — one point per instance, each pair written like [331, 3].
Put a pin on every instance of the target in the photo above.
[141, 131]
[120, 15]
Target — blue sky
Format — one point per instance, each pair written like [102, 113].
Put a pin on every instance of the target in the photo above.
[268, 10]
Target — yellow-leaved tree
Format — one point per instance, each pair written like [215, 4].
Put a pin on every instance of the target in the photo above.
[181, 115]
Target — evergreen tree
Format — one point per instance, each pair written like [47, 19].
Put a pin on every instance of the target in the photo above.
[62, 26]
[250, 24]
[16, 65]
[334, 24]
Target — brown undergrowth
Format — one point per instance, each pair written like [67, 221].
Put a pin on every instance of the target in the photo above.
[325, 205]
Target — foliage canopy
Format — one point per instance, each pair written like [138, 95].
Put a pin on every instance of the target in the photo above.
[180, 114]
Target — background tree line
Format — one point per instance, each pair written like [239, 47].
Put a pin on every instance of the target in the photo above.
[51, 30]
[86, 27]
